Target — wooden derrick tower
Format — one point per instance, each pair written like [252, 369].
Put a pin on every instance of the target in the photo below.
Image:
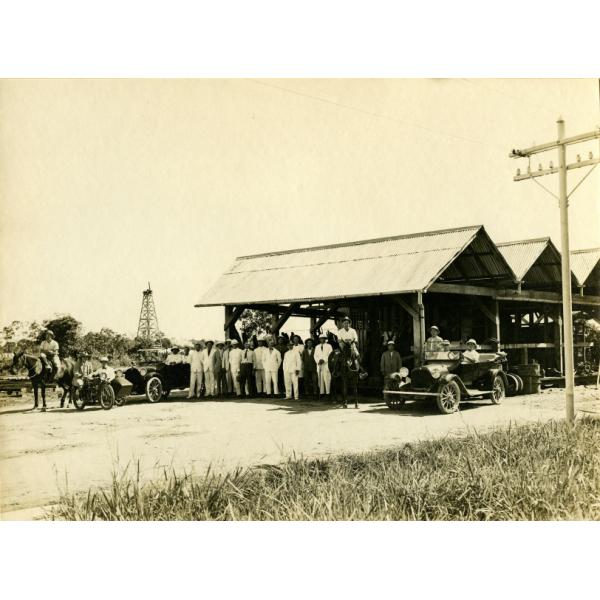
[148, 324]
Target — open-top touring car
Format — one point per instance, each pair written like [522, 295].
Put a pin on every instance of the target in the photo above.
[449, 378]
[154, 378]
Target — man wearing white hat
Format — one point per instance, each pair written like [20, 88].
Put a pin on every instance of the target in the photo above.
[259, 368]
[105, 369]
[272, 362]
[209, 373]
[174, 358]
[322, 352]
[292, 363]
[470, 354]
[196, 371]
[235, 365]
[346, 333]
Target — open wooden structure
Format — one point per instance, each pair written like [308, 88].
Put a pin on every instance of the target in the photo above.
[397, 287]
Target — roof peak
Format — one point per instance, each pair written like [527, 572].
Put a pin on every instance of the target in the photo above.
[360, 242]
[527, 241]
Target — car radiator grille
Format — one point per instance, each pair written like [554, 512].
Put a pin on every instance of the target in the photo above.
[421, 379]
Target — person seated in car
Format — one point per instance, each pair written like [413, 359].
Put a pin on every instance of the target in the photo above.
[105, 369]
[174, 357]
[471, 355]
[434, 341]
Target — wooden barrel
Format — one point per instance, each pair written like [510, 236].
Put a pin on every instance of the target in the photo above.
[531, 384]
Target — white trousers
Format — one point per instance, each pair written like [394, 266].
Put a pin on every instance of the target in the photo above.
[196, 379]
[235, 378]
[209, 383]
[324, 379]
[291, 385]
[259, 379]
[271, 382]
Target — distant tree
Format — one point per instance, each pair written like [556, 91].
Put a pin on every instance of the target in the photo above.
[165, 342]
[255, 322]
[105, 342]
[66, 331]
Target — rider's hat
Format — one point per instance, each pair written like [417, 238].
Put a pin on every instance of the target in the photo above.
[49, 332]
[103, 359]
[434, 327]
[471, 341]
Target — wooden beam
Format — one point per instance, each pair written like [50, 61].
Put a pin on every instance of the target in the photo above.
[486, 311]
[456, 288]
[231, 317]
[407, 307]
[323, 318]
[283, 318]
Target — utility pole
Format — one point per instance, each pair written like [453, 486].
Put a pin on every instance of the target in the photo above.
[563, 202]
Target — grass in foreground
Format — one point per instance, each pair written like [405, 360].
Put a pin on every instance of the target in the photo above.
[531, 472]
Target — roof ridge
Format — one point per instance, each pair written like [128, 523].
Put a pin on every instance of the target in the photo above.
[527, 241]
[361, 242]
[582, 250]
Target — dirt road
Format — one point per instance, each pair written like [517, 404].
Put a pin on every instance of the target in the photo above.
[42, 454]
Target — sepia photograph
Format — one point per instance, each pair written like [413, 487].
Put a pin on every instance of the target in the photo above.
[330, 299]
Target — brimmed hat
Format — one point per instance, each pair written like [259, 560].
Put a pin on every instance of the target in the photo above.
[103, 359]
[209, 342]
[434, 327]
[219, 343]
[174, 348]
[346, 318]
[391, 342]
[322, 335]
[49, 332]
[471, 341]
[234, 341]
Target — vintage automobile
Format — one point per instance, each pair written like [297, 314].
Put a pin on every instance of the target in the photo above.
[449, 378]
[155, 379]
[94, 390]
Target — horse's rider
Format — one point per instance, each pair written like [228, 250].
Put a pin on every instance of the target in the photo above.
[347, 334]
[49, 353]
[105, 369]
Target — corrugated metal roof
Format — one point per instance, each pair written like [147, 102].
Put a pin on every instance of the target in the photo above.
[585, 265]
[522, 254]
[388, 265]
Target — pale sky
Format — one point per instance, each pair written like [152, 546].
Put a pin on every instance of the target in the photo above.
[108, 184]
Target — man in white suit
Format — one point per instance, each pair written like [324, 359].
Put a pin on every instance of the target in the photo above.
[271, 363]
[322, 352]
[196, 371]
[292, 363]
[235, 364]
[209, 371]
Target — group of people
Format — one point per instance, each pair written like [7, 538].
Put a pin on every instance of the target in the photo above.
[265, 366]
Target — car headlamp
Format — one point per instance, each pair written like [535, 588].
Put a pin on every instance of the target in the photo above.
[436, 373]
[403, 372]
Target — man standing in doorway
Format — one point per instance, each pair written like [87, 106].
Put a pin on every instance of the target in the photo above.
[390, 363]
[322, 352]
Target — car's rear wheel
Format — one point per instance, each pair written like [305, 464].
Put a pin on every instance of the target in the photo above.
[154, 389]
[498, 390]
[448, 397]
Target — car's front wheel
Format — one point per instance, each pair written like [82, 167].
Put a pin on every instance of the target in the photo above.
[498, 390]
[154, 389]
[448, 397]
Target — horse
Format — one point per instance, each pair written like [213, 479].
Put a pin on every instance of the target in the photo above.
[39, 377]
[346, 371]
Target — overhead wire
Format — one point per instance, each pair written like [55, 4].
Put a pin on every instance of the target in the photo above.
[374, 114]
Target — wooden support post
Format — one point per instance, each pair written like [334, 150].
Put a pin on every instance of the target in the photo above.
[323, 319]
[497, 321]
[231, 317]
[284, 317]
[418, 315]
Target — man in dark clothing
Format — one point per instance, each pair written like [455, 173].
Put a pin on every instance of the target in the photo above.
[311, 384]
[282, 346]
[390, 363]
